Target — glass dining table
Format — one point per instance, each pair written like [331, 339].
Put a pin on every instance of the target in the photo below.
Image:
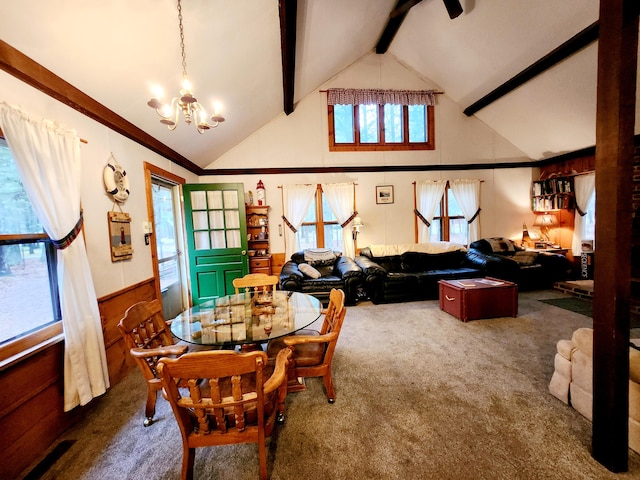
[246, 320]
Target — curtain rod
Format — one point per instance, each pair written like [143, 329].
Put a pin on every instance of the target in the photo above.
[82, 140]
[310, 184]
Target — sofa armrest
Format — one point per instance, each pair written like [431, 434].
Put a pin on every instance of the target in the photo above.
[556, 265]
[346, 267]
[291, 277]
[493, 265]
[369, 267]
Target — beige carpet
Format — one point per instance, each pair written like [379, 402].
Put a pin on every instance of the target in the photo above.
[420, 395]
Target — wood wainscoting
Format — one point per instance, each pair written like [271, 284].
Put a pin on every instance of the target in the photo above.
[31, 402]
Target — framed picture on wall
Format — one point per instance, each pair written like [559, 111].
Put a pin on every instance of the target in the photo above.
[384, 194]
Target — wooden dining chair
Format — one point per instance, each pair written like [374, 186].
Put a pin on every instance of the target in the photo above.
[149, 338]
[230, 398]
[256, 282]
[313, 350]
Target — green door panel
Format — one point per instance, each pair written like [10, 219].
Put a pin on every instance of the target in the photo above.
[216, 230]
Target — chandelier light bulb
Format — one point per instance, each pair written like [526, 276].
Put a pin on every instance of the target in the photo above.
[157, 92]
[186, 85]
[217, 108]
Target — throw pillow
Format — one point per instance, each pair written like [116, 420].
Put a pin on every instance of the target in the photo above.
[309, 271]
[501, 245]
[319, 256]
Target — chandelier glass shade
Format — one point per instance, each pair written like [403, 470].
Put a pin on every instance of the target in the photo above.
[186, 102]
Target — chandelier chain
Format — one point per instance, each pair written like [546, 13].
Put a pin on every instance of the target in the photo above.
[184, 56]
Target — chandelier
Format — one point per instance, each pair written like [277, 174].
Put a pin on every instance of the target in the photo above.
[186, 102]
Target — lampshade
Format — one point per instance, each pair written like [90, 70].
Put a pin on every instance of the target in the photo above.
[546, 220]
[357, 222]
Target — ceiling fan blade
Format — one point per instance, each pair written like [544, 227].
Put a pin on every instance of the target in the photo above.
[453, 7]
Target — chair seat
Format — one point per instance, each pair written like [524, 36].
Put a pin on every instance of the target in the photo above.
[306, 354]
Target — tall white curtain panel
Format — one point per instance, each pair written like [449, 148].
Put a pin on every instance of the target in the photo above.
[467, 193]
[585, 187]
[296, 200]
[48, 162]
[341, 200]
[428, 193]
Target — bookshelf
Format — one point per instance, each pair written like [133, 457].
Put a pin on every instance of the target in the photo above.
[552, 194]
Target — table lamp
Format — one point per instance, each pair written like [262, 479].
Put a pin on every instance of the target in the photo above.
[546, 222]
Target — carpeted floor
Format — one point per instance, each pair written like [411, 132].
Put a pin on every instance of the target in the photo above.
[419, 395]
[573, 304]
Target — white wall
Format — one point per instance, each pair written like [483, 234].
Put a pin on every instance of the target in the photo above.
[301, 139]
[107, 276]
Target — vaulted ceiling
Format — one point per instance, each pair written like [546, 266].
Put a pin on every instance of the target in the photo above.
[115, 50]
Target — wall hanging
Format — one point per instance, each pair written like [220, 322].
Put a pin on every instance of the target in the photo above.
[116, 181]
[120, 236]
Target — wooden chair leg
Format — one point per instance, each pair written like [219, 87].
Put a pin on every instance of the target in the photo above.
[328, 386]
[150, 407]
[262, 449]
[188, 457]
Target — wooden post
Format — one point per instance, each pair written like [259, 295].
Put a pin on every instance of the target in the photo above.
[617, 60]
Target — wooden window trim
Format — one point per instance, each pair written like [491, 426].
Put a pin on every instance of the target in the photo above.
[445, 220]
[319, 223]
[405, 145]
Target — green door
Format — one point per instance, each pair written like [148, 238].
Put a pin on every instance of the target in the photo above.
[216, 238]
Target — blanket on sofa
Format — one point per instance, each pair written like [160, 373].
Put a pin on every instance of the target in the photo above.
[399, 249]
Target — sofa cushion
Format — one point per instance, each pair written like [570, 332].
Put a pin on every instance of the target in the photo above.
[309, 271]
[524, 257]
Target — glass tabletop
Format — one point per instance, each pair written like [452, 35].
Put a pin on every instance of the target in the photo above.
[246, 318]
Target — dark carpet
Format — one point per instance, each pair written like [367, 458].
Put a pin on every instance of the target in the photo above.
[577, 305]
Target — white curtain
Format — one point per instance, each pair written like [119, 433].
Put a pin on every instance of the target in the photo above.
[584, 186]
[48, 162]
[296, 201]
[340, 197]
[429, 193]
[467, 193]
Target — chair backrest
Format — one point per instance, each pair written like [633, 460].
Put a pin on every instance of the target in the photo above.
[332, 318]
[257, 282]
[143, 326]
[226, 400]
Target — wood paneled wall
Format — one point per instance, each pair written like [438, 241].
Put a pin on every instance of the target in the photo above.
[31, 390]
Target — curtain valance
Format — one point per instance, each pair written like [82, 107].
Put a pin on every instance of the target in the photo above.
[373, 96]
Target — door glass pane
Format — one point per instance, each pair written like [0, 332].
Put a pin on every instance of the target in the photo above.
[343, 123]
[417, 123]
[217, 239]
[200, 220]
[198, 200]
[230, 199]
[214, 197]
[368, 117]
[232, 218]
[201, 240]
[393, 123]
[164, 227]
[233, 239]
[216, 219]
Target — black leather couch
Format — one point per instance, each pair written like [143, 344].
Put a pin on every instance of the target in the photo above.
[412, 275]
[503, 258]
[342, 273]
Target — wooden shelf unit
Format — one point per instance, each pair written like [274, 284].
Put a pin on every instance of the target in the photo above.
[552, 194]
[258, 238]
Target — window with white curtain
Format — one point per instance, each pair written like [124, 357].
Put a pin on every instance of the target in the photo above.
[320, 228]
[27, 260]
[449, 223]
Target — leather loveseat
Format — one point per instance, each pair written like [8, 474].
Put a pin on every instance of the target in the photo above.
[396, 273]
[502, 258]
[317, 271]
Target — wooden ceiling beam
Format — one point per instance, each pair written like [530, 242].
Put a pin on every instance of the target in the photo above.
[288, 19]
[396, 17]
[568, 48]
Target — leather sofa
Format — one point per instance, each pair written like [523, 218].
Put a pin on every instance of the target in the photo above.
[572, 380]
[502, 258]
[396, 273]
[336, 272]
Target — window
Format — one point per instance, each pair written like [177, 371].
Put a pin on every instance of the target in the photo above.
[370, 119]
[320, 228]
[589, 223]
[449, 223]
[27, 262]
[381, 127]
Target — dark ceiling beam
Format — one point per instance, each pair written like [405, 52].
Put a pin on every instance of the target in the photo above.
[568, 48]
[396, 17]
[454, 9]
[24, 68]
[288, 16]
